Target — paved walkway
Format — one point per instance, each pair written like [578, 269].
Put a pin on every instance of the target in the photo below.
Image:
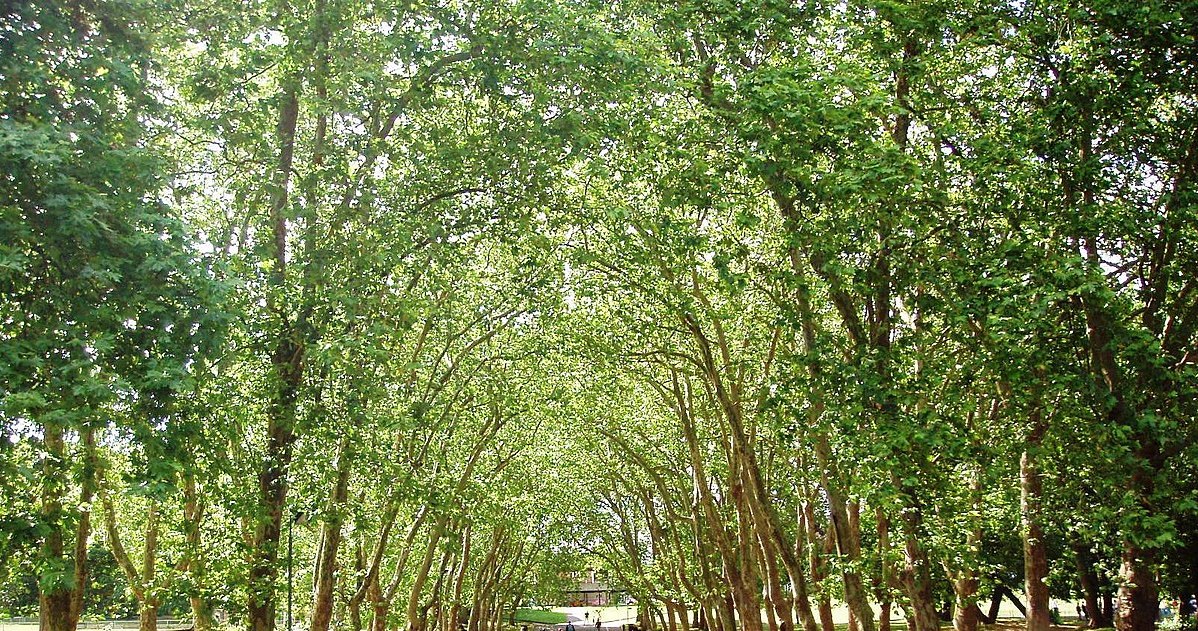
[610, 618]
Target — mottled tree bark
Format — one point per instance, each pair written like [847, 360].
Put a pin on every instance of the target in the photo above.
[1138, 605]
[886, 571]
[1035, 554]
[287, 364]
[54, 603]
[966, 581]
[330, 541]
[916, 577]
[194, 564]
[1088, 578]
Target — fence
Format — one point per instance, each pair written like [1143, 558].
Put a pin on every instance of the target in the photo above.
[30, 624]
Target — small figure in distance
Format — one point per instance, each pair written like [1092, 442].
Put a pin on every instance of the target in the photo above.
[597, 623]
[586, 615]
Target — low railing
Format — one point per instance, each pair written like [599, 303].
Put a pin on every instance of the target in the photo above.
[164, 624]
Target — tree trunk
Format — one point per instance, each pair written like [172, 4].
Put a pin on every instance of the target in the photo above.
[54, 603]
[847, 545]
[1035, 555]
[916, 577]
[193, 516]
[354, 604]
[430, 556]
[201, 614]
[726, 608]
[272, 497]
[1096, 617]
[459, 580]
[966, 614]
[1137, 590]
[287, 362]
[355, 615]
[147, 617]
[61, 607]
[715, 528]
[87, 492]
[854, 508]
[1006, 591]
[379, 621]
[330, 542]
[819, 546]
[965, 579]
[995, 602]
[886, 571]
[1138, 595]
[144, 583]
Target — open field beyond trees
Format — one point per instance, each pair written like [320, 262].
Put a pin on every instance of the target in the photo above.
[370, 315]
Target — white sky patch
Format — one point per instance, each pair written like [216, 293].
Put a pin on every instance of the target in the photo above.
[569, 298]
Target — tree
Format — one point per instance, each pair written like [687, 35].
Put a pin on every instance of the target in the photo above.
[93, 264]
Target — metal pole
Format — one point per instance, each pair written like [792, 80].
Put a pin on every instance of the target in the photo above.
[290, 527]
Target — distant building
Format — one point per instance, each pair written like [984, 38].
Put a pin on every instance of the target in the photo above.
[593, 590]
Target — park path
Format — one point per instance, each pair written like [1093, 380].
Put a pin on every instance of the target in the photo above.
[610, 618]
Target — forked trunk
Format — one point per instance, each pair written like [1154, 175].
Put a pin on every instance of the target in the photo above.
[966, 614]
[674, 613]
[194, 564]
[915, 576]
[848, 545]
[1083, 559]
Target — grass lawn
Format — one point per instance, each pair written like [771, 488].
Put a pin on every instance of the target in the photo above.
[540, 616]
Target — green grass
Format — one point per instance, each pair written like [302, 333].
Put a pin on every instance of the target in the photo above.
[540, 616]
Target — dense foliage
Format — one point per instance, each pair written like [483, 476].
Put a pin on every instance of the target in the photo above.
[362, 314]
